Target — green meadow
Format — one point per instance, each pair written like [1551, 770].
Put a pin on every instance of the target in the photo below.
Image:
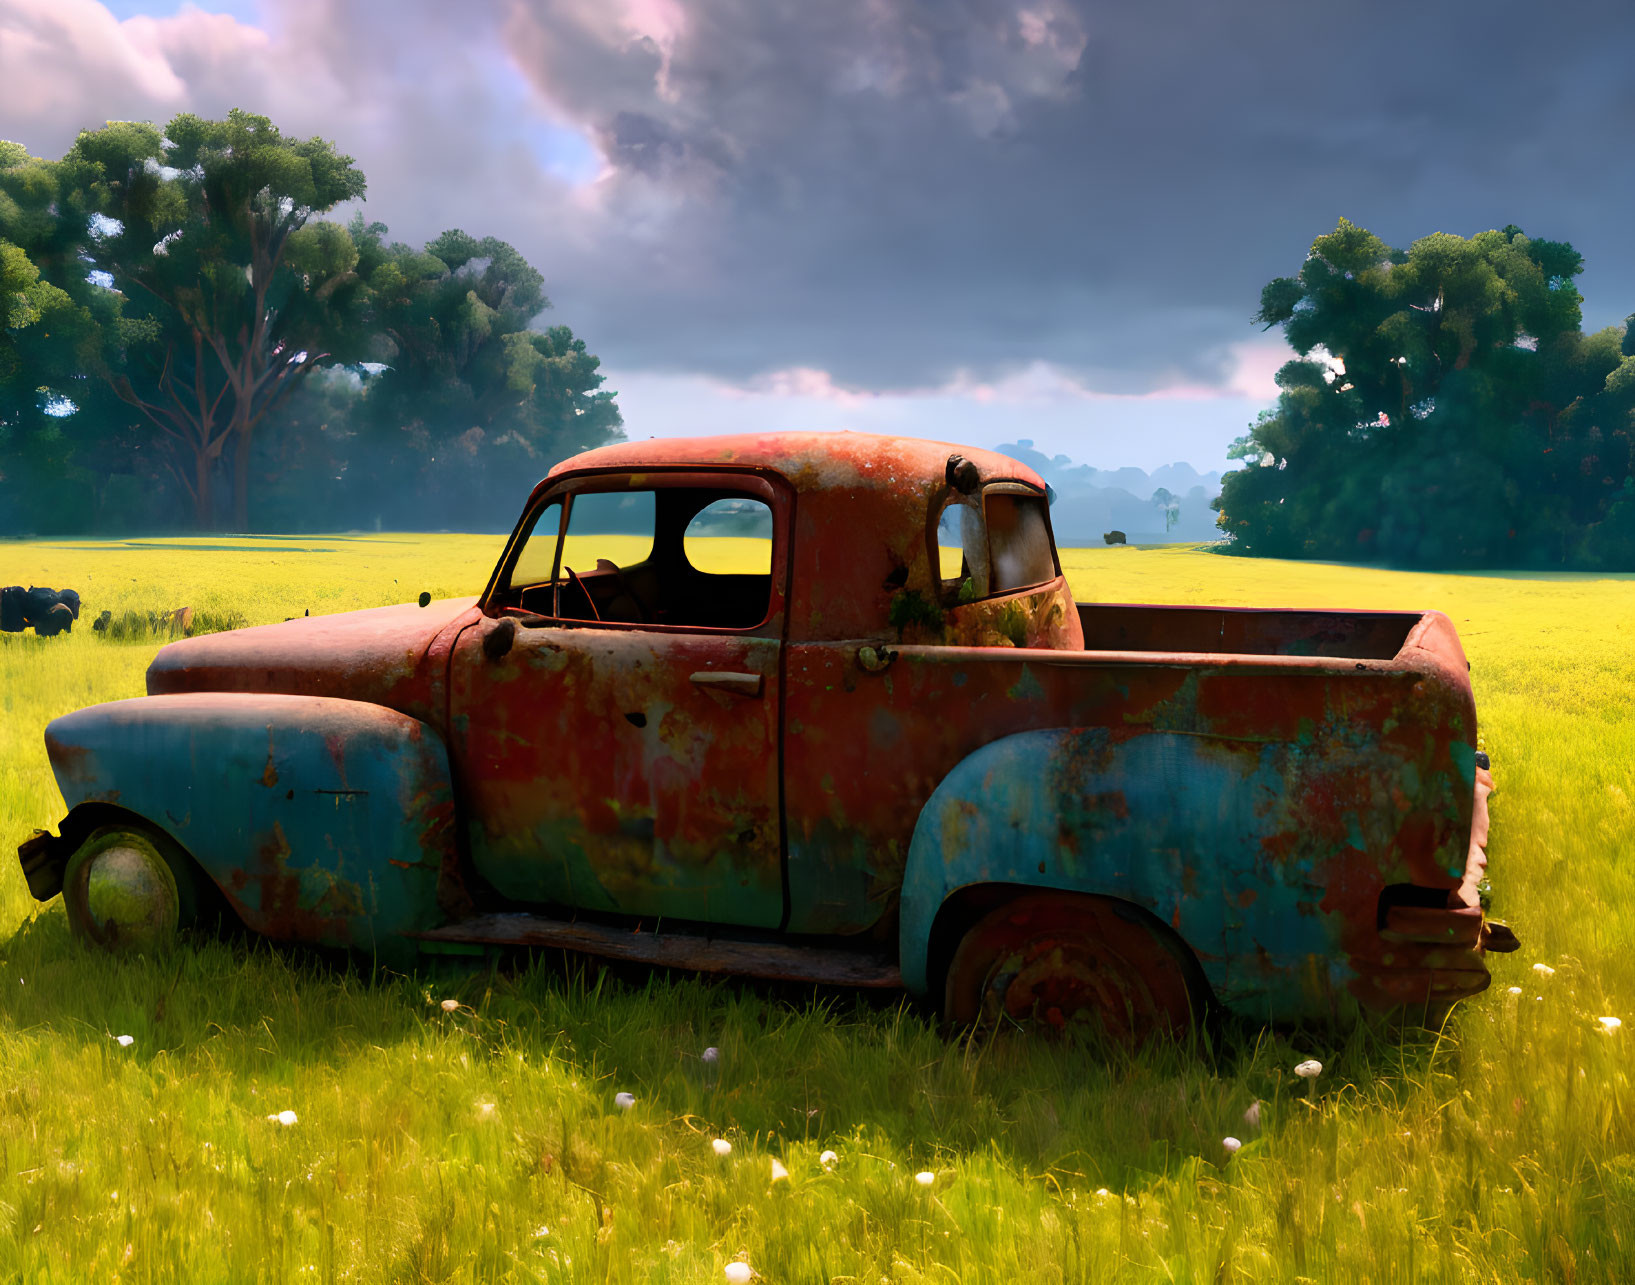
[462, 1126]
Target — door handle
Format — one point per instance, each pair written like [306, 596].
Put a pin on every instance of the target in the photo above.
[726, 681]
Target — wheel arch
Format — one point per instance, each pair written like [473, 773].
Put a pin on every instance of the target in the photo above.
[1165, 823]
[85, 819]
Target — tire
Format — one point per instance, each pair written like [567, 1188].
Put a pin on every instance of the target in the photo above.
[128, 890]
[1058, 961]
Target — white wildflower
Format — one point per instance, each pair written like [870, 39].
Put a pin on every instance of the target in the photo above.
[1610, 1024]
[485, 1110]
[1251, 1116]
[1544, 970]
[925, 1177]
[285, 1118]
[1513, 990]
[779, 1173]
[828, 1160]
[738, 1273]
[624, 1101]
[451, 1006]
[1231, 1145]
[1310, 1069]
[712, 1054]
[124, 1041]
[721, 1147]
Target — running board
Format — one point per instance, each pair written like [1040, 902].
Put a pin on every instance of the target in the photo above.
[776, 961]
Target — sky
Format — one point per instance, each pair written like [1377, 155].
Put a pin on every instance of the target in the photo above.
[973, 220]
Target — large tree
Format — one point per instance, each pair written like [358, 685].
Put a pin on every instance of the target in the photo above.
[1445, 408]
[53, 420]
[231, 294]
[174, 295]
[468, 395]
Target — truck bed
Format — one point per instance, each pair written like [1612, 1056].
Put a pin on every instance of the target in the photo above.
[1243, 631]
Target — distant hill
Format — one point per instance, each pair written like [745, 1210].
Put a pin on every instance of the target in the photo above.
[1090, 501]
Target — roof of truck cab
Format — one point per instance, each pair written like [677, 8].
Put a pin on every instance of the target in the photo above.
[812, 461]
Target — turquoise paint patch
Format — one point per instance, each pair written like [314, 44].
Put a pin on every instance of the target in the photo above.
[1464, 759]
[1204, 834]
[1026, 688]
[338, 810]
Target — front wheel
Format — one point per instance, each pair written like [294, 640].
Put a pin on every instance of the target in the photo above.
[128, 890]
[1065, 960]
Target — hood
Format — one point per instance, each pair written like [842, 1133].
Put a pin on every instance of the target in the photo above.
[388, 655]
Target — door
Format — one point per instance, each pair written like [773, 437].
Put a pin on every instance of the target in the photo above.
[621, 753]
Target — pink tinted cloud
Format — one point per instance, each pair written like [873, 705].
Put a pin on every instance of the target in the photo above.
[68, 65]
[51, 51]
[1250, 377]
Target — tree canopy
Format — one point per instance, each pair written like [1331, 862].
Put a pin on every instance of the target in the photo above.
[191, 291]
[1445, 409]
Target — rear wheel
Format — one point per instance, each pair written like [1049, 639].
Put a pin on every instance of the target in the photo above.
[1064, 961]
[128, 889]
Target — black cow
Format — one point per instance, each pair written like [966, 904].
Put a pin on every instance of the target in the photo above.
[48, 611]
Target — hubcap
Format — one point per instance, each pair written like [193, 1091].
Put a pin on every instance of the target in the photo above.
[1065, 983]
[130, 897]
[1063, 961]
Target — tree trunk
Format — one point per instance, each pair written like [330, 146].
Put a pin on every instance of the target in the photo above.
[241, 481]
[204, 467]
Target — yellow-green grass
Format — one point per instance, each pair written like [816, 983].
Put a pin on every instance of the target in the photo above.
[485, 1144]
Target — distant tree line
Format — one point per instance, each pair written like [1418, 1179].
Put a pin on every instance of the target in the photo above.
[1446, 411]
[183, 342]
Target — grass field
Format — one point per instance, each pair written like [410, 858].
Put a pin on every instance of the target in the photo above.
[484, 1143]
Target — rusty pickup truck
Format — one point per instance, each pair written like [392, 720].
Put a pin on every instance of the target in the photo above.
[814, 706]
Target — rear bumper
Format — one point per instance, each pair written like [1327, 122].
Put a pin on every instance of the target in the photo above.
[1432, 954]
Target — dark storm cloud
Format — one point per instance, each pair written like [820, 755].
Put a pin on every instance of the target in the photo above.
[896, 190]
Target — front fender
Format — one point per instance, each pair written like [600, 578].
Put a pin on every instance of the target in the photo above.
[322, 820]
[1217, 838]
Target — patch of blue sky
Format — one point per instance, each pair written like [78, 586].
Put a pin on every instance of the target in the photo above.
[561, 150]
[246, 11]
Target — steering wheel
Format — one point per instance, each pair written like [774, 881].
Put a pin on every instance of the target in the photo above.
[608, 567]
[573, 577]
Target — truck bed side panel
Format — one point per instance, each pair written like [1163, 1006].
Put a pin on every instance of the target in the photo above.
[1382, 754]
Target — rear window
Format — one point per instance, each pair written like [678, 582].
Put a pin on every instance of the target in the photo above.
[1018, 541]
[993, 544]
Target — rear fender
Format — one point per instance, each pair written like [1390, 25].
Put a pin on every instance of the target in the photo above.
[321, 820]
[1222, 840]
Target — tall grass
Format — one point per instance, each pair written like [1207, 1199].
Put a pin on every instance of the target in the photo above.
[482, 1142]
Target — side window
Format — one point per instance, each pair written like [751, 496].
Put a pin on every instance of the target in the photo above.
[993, 544]
[730, 537]
[722, 576]
[538, 557]
[608, 526]
[687, 557]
